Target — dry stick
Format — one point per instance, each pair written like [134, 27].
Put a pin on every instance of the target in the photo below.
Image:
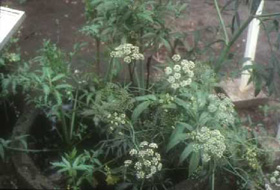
[148, 71]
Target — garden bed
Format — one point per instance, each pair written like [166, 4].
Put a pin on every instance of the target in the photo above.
[135, 107]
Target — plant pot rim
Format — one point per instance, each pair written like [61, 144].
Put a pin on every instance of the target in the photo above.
[29, 174]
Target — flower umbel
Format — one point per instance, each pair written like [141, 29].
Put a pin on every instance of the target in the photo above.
[146, 161]
[211, 142]
[181, 74]
[128, 52]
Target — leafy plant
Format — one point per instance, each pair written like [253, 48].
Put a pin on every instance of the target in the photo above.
[79, 168]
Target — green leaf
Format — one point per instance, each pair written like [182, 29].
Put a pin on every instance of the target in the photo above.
[66, 162]
[149, 35]
[187, 151]
[58, 77]
[166, 44]
[204, 118]
[58, 164]
[139, 109]
[182, 103]
[185, 125]
[194, 161]
[77, 161]
[46, 89]
[177, 136]
[146, 16]
[146, 97]
[182, 7]
[23, 142]
[63, 170]
[63, 86]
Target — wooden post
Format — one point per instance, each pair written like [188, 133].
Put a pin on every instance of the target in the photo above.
[10, 21]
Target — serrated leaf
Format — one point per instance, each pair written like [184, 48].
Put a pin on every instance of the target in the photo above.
[204, 118]
[182, 103]
[166, 44]
[185, 125]
[139, 109]
[177, 136]
[58, 164]
[66, 162]
[76, 162]
[194, 161]
[62, 170]
[187, 151]
[46, 89]
[63, 86]
[58, 77]
[146, 97]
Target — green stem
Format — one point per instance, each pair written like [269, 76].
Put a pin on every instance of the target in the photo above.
[142, 184]
[29, 150]
[148, 71]
[213, 176]
[64, 126]
[130, 70]
[133, 136]
[73, 115]
[138, 79]
[222, 22]
[226, 50]
[108, 73]
[98, 54]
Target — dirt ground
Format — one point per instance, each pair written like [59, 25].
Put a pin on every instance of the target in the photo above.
[60, 21]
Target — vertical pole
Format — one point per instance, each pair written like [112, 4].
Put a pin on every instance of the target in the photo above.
[251, 46]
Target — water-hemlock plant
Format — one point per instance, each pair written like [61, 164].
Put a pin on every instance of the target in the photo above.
[178, 124]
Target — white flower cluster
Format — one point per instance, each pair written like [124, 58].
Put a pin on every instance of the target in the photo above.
[275, 177]
[147, 160]
[166, 99]
[267, 187]
[223, 108]
[211, 142]
[251, 157]
[181, 74]
[128, 52]
[116, 119]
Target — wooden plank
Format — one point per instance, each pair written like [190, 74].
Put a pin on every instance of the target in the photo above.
[10, 21]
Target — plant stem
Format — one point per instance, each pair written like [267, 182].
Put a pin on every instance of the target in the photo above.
[222, 22]
[213, 176]
[108, 73]
[148, 71]
[73, 115]
[142, 184]
[30, 150]
[64, 126]
[130, 69]
[98, 54]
